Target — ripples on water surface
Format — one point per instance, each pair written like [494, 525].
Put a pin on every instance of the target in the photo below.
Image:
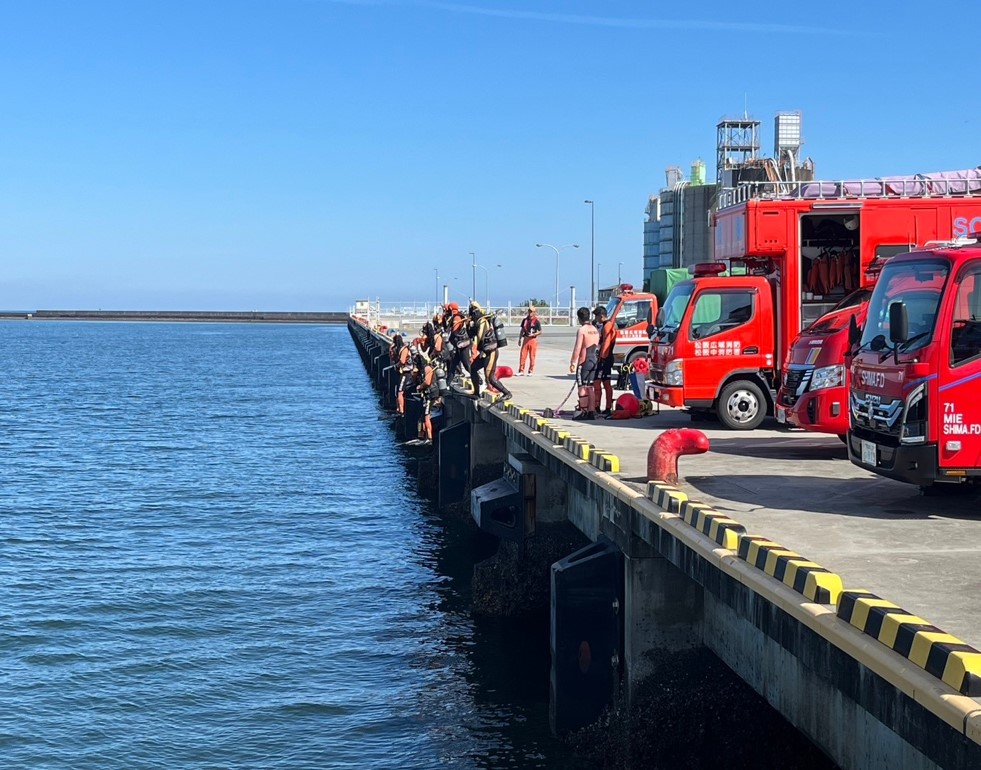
[213, 557]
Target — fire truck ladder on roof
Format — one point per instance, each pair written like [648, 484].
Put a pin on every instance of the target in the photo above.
[942, 185]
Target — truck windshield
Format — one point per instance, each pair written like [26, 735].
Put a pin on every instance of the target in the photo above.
[834, 319]
[675, 305]
[611, 306]
[918, 285]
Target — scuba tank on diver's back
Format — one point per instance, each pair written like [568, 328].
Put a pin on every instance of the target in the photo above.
[441, 383]
[499, 333]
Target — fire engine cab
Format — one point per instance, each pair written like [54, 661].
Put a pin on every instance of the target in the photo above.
[915, 411]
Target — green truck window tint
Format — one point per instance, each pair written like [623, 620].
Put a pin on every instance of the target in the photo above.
[717, 312]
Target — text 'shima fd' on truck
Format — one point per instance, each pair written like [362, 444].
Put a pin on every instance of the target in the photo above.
[916, 370]
[721, 342]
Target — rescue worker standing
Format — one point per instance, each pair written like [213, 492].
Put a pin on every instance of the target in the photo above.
[486, 361]
[403, 360]
[428, 390]
[531, 330]
[433, 341]
[460, 342]
[583, 363]
[604, 367]
[393, 352]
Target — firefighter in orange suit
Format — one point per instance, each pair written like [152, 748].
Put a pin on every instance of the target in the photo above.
[531, 330]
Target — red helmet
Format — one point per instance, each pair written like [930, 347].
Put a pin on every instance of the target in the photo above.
[627, 406]
[453, 307]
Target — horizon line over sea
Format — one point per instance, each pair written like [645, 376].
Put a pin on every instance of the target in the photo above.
[230, 316]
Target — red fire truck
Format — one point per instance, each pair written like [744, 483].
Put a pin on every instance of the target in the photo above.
[813, 391]
[721, 343]
[915, 411]
[633, 313]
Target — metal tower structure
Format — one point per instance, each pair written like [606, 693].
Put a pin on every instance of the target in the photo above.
[787, 141]
[737, 142]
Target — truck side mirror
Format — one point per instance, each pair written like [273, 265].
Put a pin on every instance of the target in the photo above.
[854, 333]
[659, 321]
[898, 323]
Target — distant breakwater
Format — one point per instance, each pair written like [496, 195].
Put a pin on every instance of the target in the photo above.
[213, 316]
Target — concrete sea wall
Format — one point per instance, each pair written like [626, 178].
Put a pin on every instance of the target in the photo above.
[663, 578]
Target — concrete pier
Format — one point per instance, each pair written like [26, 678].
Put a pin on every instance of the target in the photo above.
[808, 578]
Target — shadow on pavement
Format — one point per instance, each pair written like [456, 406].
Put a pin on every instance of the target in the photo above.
[789, 448]
[861, 497]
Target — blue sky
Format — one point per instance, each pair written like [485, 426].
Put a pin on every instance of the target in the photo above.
[299, 154]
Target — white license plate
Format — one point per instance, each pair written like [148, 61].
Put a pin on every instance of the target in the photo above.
[781, 416]
[868, 453]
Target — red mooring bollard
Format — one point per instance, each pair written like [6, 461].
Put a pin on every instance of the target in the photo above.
[662, 457]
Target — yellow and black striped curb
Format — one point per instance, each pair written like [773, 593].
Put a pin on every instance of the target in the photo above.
[942, 655]
[668, 498]
[719, 527]
[514, 410]
[578, 446]
[812, 580]
[555, 435]
[605, 461]
[723, 530]
[533, 421]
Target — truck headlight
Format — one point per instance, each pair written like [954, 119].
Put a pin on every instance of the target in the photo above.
[828, 377]
[673, 374]
[915, 417]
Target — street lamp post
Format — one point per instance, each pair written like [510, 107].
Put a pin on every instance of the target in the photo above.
[599, 283]
[473, 270]
[557, 249]
[592, 251]
[619, 279]
[486, 285]
[436, 270]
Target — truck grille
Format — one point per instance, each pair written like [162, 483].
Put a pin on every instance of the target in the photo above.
[795, 383]
[871, 416]
[657, 374]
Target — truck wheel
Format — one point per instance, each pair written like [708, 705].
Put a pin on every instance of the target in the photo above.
[741, 405]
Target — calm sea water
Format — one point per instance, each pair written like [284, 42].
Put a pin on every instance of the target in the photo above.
[213, 556]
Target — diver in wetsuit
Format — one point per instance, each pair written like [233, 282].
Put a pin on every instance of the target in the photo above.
[486, 361]
[402, 358]
[604, 364]
[585, 357]
[460, 343]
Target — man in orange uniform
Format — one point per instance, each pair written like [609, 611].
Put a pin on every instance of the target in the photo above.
[604, 367]
[531, 330]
